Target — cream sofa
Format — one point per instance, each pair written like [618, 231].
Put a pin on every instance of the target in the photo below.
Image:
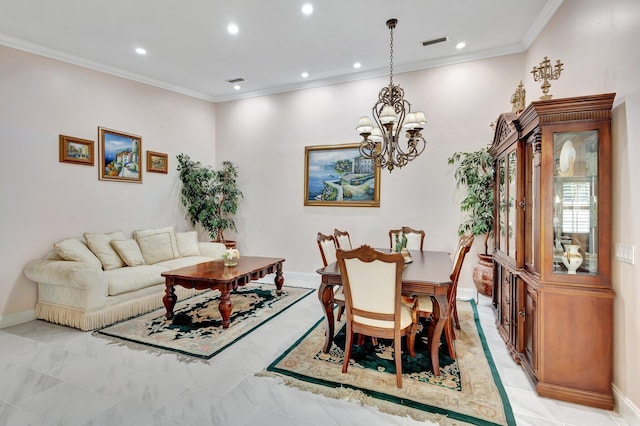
[101, 279]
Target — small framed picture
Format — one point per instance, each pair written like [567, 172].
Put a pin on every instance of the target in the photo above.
[157, 162]
[76, 150]
[120, 156]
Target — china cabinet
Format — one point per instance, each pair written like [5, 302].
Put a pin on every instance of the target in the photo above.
[552, 292]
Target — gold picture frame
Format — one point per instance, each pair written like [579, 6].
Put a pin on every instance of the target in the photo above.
[120, 156]
[338, 176]
[75, 150]
[157, 162]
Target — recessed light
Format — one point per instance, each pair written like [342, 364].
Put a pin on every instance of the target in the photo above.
[461, 45]
[357, 65]
[236, 86]
[305, 74]
[233, 29]
[307, 9]
[140, 51]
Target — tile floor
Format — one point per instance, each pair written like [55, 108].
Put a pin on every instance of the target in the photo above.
[54, 375]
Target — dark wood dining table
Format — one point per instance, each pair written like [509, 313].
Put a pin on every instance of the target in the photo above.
[428, 274]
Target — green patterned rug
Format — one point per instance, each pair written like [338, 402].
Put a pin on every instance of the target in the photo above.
[196, 328]
[468, 391]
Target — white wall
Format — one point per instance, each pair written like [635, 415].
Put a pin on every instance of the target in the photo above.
[266, 138]
[42, 200]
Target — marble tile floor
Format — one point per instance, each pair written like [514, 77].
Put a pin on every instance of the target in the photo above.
[54, 375]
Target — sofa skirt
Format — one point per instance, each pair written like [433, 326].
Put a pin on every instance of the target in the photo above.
[116, 309]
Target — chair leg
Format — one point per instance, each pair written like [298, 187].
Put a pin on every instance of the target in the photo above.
[340, 312]
[397, 348]
[450, 337]
[455, 315]
[411, 340]
[347, 350]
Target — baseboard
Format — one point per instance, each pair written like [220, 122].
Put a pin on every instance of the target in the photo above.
[627, 409]
[295, 279]
[17, 318]
[467, 294]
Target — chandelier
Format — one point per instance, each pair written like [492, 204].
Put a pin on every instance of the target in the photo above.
[393, 116]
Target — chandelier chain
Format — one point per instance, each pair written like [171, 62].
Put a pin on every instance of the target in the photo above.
[391, 58]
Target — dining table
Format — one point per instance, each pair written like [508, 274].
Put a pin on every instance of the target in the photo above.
[428, 274]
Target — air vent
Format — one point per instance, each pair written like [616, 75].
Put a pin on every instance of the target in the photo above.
[236, 80]
[435, 41]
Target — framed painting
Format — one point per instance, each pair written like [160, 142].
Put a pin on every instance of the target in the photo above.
[338, 175]
[76, 150]
[120, 156]
[157, 162]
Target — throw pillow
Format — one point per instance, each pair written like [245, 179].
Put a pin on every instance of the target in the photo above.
[156, 247]
[74, 249]
[188, 243]
[166, 230]
[100, 245]
[129, 251]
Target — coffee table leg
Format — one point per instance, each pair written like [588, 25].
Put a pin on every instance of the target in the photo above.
[169, 300]
[225, 306]
[279, 280]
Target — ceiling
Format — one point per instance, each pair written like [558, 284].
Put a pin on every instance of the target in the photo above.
[190, 51]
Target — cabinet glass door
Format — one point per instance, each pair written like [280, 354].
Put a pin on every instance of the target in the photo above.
[502, 205]
[512, 204]
[575, 203]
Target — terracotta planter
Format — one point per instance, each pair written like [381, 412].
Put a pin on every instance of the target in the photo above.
[228, 243]
[483, 275]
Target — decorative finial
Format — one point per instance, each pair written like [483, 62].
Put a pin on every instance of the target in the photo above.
[518, 99]
[546, 72]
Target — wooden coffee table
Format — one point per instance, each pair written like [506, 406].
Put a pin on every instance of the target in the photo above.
[215, 275]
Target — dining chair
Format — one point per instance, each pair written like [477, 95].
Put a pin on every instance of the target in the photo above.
[372, 282]
[343, 241]
[425, 304]
[327, 245]
[415, 237]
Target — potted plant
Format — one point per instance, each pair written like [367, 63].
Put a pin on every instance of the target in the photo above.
[210, 196]
[475, 172]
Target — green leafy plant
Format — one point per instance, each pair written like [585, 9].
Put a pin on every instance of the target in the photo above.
[475, 172]
[210, 196]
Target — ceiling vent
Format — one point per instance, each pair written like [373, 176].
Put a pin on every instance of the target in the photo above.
[435, 41]
[236, 80]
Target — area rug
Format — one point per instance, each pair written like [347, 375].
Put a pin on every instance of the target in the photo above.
[468, 391]
[196, 329]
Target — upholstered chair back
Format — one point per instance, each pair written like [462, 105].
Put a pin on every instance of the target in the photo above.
[343, 240]
[327, 246]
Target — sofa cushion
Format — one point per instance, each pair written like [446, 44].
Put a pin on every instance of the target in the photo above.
[188, 243]
[129, 251]
[181, 262]
[100, 245]
[125, 280]
[76, 250]
[148, 245]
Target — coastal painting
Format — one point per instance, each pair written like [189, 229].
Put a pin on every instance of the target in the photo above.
[75, 150]
[157, 162]
[120, 156]
[338, 175]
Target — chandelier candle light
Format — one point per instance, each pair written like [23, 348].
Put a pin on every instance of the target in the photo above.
[392, 114]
